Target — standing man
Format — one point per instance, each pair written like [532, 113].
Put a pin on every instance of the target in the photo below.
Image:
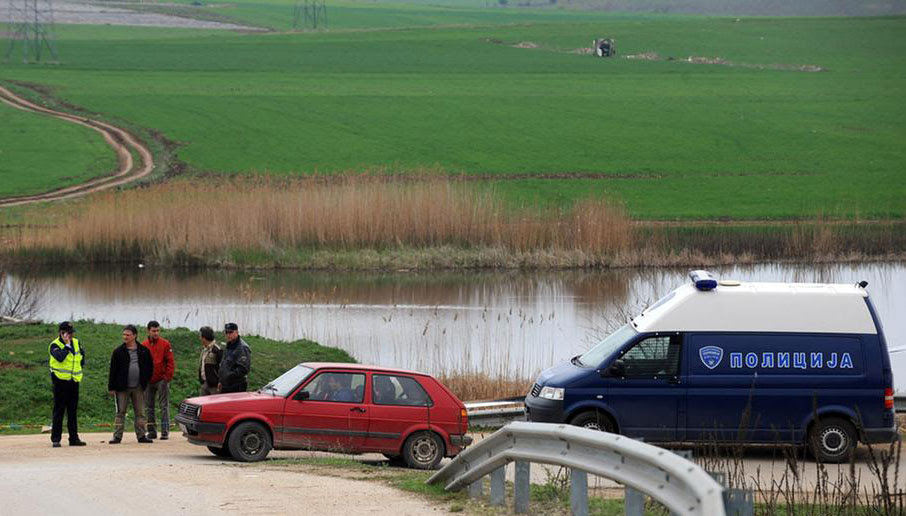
[159, 387]
[209, 369]
[236, 362]
[66, 361]
[130, 371]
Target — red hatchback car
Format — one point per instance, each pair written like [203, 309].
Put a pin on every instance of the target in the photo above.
[346, 408]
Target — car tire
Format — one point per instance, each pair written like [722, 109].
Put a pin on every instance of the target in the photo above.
[220, 452]
[594, 420]
[423, 450]
[833, 440]
[249, 442]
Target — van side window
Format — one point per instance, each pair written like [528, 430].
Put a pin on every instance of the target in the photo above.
[653, 357]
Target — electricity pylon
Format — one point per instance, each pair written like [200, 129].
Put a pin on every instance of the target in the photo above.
[31, 29]
[310, 14]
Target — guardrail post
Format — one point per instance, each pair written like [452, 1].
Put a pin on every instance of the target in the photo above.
[521, 487]
[498, 486]
[578, 492]
[633, 502]
[476, 489]
[739, 502]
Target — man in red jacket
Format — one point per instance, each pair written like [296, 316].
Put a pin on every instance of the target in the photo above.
[159, 387]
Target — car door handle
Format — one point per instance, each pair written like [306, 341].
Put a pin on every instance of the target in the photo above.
[360, 410]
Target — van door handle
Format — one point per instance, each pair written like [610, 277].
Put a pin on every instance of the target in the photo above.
[673, 381]
[360, 410]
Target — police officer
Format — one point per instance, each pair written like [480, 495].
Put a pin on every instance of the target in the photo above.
[236, 362]
[66, 361]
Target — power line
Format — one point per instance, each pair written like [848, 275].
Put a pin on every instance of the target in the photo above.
[32, 30]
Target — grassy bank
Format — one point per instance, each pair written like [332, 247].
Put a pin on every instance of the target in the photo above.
[746, 136]
[426, 221]
[25, 382]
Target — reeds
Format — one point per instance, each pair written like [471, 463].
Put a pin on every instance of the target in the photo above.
[390, 222]
[480, 387]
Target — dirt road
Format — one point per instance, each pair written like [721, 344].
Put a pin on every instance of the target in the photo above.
[174, 477]
[123, 143]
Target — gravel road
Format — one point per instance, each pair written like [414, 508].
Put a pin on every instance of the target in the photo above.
[174, 477]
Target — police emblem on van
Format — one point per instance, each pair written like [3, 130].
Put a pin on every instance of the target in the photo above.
[711, 356]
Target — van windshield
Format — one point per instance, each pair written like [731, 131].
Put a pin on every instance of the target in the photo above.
[595, 356]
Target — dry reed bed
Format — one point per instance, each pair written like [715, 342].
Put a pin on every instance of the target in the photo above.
[372, 222]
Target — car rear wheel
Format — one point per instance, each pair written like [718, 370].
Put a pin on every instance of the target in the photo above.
[593, 420]
[249, 442]
[833, 439]
[423, 450]
[220, 452]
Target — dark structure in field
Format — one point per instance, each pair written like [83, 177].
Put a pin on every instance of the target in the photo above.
[604, 47]
[31, 30]
[310, 14]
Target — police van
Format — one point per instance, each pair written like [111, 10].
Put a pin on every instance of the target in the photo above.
[735, 362]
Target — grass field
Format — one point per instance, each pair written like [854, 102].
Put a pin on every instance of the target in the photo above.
[670, 139]
[39, 153]
[25, 383]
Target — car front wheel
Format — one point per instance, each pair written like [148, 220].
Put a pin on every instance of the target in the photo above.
[593, 420]
[249, 442]
[220, 452]
[423, 450]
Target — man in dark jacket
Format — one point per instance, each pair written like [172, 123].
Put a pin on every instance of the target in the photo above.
[131, 367]
[236, 362]
[209, 367]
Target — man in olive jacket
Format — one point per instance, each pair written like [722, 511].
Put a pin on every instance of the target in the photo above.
[131, 367]
[236, 362]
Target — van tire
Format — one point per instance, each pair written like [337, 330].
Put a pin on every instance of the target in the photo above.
[833, 440]
[249, 442]
[423, 450]
[594, 420]
[220, 452]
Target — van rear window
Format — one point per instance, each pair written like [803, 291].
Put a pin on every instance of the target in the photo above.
[769, 354]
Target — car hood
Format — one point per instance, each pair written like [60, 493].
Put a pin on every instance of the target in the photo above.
[233, 397]
[562, 375]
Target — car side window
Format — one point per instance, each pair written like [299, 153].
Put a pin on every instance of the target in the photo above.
[398, 390]
[653, 357]
[344, 387]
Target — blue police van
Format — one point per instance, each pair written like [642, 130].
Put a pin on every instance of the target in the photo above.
[728, 361]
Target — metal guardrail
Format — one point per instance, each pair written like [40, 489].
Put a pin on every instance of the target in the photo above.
[495, 414]
[899, 404]
[681, 485]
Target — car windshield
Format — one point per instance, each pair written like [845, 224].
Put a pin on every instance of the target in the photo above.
[595, 356]
[288, 381]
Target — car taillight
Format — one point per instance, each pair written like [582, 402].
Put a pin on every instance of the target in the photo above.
[888, 398]
[464, 420]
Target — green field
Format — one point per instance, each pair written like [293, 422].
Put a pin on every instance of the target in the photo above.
[670, 139]
[40, 153]
[25, 382]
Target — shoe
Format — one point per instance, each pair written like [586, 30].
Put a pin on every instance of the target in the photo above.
[56, 445]
[115, 440]
[144, 440]
[151, 435]
[78, 443]
[164, 437]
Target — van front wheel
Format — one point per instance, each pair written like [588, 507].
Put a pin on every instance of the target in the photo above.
[833, 439]
[593, 420]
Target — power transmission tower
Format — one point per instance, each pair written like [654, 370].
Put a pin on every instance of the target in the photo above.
[310, 14]
[32, 29]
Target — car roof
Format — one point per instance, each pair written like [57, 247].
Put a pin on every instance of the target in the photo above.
[771, 307]
[359, 367]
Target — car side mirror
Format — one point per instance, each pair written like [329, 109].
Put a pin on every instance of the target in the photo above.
[617, 368]
[302, 396]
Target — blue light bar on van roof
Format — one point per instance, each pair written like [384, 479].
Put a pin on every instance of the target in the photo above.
[703, 280]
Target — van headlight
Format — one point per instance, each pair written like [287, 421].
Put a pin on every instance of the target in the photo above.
[551, 393]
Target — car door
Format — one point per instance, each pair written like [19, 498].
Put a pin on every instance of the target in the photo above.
[327, 413]
[398, 403]
[649, 396]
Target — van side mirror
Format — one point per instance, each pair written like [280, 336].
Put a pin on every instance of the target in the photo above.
[303, 395]
[617, 368]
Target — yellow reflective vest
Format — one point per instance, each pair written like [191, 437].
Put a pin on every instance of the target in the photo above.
[71, 367]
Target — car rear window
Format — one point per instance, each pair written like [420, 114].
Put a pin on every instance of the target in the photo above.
[398, 390]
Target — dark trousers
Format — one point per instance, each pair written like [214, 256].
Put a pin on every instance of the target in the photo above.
[238, 387]
[65, 399]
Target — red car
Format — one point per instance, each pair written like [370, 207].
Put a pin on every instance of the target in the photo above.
[347, 408]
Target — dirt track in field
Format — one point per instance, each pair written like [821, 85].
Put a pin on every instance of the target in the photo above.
[175, 477]
[124, 144]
